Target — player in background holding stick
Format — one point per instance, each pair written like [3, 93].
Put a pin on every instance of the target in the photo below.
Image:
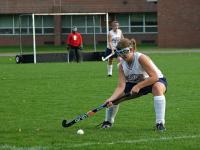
[138, 74]
[114, 36]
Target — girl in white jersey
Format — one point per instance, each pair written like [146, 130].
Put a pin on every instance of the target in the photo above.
[114, 36]
[139, 76]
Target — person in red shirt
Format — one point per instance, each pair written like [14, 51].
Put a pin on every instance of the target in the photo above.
[75, 44]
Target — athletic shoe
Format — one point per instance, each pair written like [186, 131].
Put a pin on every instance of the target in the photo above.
[109, 75]
[160, 127]
[106, 124]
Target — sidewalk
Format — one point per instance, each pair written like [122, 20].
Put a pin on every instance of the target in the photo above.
[146, 52]
[171, 51]
[8, 54]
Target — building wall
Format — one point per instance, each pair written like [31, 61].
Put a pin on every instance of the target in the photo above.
[179, 23]
[87, 39]
[47, 6]
[26, 40]
[178, 20]
[71, 6]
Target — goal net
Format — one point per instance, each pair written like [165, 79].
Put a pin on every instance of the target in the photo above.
[47, 32]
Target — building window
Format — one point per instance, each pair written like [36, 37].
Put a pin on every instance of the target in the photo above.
[136, 19]
[93, 24]
[150, 22]
[24, 24]
[86, 24]
[133, 23]
[137, 22]
[123, 19]
[15, 24]
[6, 24]
[44, 25]
[48, 24]
[66, 24]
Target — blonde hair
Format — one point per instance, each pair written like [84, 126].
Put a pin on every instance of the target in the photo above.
[134, 44]
[123, 43]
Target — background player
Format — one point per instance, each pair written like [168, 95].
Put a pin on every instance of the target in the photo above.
[114, 36]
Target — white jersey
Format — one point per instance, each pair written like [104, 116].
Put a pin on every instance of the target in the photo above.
[116, 37]
[134, 73]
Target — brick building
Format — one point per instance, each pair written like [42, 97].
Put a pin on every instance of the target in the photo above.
[168, 23]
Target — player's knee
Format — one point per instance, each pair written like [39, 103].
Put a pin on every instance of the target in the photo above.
[110, 61]
[157, 90]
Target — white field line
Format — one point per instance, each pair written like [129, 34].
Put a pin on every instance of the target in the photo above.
[12, 147]
[138, 141]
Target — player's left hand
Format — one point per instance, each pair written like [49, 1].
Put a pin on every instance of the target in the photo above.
[135, 89]
[81, 47]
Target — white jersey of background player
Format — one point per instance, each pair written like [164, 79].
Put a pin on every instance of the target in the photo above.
[114, 36]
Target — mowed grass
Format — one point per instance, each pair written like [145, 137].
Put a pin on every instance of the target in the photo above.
[34, 98]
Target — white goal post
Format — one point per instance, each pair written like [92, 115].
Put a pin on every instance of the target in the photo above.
[60, 14]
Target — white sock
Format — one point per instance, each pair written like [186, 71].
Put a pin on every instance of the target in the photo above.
[109, 67]
[111, 112]
[159, 106]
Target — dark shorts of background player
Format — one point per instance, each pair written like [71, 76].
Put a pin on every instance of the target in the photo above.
[145, 90]
[108, 52]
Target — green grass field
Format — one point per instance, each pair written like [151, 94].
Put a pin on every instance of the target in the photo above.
[34, 98]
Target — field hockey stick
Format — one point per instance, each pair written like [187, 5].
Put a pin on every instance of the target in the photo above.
[107, 57]
[92, 112]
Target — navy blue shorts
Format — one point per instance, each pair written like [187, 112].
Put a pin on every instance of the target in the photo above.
[108, 52]
[145, 90]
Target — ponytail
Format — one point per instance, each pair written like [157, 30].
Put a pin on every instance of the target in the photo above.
[133, 43]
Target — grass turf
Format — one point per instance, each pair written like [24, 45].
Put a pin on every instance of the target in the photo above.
[35, 98]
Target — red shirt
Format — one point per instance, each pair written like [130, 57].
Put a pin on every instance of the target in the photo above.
[74, 39]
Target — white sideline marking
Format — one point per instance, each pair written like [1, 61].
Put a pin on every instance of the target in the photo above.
[138, 141]
[13, 147]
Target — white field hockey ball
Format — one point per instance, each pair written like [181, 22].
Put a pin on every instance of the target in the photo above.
[80, 131]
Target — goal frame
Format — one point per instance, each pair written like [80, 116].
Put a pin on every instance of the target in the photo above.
[61, 14]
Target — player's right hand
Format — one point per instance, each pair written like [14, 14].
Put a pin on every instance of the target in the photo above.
[109, 104]
[113, 51]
